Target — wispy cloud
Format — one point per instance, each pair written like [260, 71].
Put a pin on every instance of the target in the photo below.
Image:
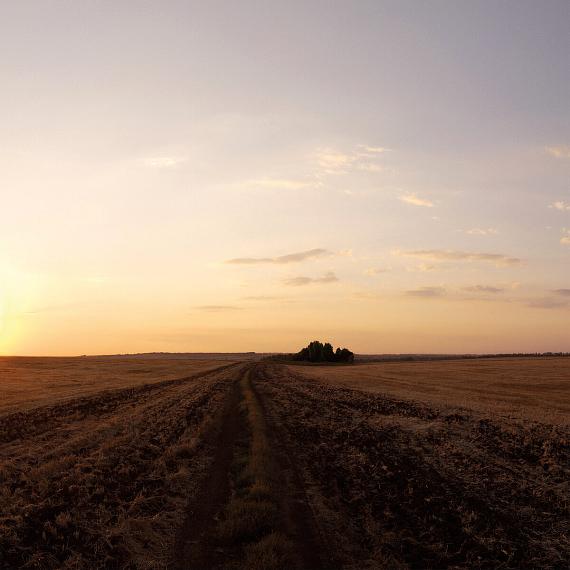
[368, 295]
[164, 161]
[282, 183]
[561, 151]
[547, 303]
[560, 205]
[330, 161]
[422, 268]
[482, 231]
[329, 277]
[263, 298]
[428, 292]
[563, 292]
[373, 149]
[415, 200]
[370, 167]
[483, 289]
[371, 271]
[282, 259]
[450, 255]
[217, 308]
[565, 239]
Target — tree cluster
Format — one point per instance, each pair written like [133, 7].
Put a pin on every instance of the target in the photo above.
[319, 352]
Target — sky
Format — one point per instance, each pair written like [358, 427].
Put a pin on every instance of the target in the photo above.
[391, 176]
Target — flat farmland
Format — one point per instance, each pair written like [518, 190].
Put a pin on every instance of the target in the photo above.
[132, 463]
[27, 382]
[527, 387]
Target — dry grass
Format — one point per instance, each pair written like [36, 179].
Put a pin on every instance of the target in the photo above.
[103, 481]
[403, 483]
[28, 382]
[533, 388]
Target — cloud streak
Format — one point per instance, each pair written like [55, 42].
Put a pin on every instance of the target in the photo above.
[426, 292]
[483, 289]
[415, 200]
[218, 308]
[562, 151]
[560, 205]
[281, 183]
[482, 231]
[497, 259]
[329, 277]
[547, 303]
[164, 161]
[280, 260]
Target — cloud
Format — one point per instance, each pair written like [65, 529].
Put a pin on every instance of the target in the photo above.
[330, 161]
[329, 277]
[565, 239]
[370, 167]
[560, 205]
[281, 183]
[282, 259]
[422, 268]
[426, 292]
[367, 295]
[563, 292]
[371, 271]
[415, 200]
[164, 161]
[483, 289]
[498, 259]
[263, 298]
[217, 308]
[374, 149]
[562, 151]
[482, 231]
[547, 303]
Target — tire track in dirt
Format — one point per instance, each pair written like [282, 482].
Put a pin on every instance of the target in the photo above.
[252, 510]
[299, 515]
[195, 541]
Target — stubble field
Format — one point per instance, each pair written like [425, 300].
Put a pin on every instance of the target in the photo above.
[133, 463]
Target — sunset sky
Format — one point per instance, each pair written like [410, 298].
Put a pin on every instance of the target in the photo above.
[391, 176]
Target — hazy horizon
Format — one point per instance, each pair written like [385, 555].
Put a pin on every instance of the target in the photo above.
[225, 177]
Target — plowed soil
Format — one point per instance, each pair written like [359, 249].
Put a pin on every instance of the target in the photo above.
[267, 466]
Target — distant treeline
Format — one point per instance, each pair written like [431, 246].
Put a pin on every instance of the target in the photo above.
[317, 351]
[424, 357]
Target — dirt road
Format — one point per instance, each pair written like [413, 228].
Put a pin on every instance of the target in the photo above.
[256, 466]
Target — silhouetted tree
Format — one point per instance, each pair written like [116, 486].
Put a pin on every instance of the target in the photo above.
[316, 351]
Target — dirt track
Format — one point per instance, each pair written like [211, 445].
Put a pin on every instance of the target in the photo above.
[257, 466]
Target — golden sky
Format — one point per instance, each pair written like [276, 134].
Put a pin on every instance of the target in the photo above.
[183, 176]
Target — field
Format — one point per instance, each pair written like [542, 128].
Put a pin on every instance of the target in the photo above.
[191, 464]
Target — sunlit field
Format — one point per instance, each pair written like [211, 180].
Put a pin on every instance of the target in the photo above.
[531, 388]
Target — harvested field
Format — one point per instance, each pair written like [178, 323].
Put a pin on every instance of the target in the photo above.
[267, 466]
[529, 388]
[27, 382]
[405, 484]
[102, 481]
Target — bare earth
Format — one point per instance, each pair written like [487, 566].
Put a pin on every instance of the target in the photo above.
[122, 463]
[526, 387]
